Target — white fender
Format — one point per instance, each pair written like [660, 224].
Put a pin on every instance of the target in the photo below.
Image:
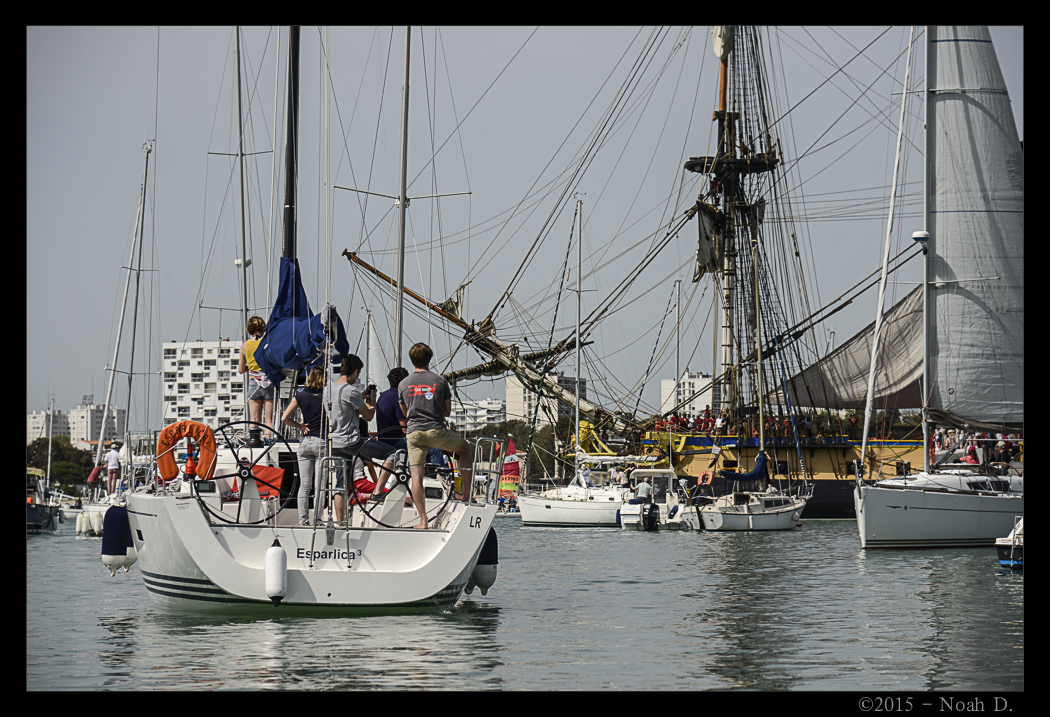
[82, 523]
[275, 568]
[131, 558]
[113, 563]
[96, 522]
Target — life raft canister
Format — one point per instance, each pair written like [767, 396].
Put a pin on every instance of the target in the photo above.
[201, 434]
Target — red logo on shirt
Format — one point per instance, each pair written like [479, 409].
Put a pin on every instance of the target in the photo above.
[421, 390]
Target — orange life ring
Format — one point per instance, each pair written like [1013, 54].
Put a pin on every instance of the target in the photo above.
[172, 434]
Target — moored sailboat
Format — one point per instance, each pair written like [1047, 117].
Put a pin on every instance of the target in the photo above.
[973, 322]
[201, 550]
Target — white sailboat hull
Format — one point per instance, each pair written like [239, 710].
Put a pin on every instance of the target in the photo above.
[744, 517]
[601, 510]
[924, 518]
[190, 563]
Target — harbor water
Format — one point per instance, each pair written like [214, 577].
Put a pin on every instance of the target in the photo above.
[572, 609]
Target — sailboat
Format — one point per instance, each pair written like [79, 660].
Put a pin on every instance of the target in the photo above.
[578, 504]
[972, 354]
[199, 551]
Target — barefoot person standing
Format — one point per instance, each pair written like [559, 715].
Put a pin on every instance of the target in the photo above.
[426, 400]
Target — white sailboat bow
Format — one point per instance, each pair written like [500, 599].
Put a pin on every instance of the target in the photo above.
[974, 302]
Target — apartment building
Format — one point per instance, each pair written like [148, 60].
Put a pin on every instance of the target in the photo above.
[671, 394]
[36, 425]
[201, 382]
[521, 402]
[472, 415]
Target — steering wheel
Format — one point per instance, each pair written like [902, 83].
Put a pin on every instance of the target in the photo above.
[236, 441]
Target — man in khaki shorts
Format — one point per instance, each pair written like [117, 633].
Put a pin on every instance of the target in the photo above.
[426, 400]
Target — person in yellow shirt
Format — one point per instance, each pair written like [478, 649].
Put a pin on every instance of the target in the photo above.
[260, 390]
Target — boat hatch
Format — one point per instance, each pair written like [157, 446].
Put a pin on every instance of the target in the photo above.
[741, 498]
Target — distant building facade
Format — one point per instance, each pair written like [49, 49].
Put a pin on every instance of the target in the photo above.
[85, 423]
[201, 383]
[36, 425]
[671, 394]
[472, 415]
[521, 402]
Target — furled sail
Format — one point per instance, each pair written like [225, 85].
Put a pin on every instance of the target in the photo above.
[976, 224]
[706, 255]
[840, 380]
[295, 337]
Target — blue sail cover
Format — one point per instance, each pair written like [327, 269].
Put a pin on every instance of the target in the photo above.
[759, 472]
[295, 338]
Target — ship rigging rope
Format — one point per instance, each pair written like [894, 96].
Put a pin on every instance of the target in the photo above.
[606, 126]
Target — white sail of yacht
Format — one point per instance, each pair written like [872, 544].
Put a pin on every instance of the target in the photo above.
[973, 338]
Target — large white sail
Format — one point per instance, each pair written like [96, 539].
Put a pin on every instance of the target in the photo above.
[840, 379]
[976, 225]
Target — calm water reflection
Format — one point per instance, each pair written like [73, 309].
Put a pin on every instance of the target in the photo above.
[571, 609]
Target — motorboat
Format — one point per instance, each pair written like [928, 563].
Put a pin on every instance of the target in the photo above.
[664, 511]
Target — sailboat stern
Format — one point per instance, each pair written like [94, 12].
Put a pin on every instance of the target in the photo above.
[191, 563]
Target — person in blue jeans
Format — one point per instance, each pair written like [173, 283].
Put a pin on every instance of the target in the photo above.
[313, 432]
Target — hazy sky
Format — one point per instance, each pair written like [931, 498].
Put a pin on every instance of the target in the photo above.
[95, 95]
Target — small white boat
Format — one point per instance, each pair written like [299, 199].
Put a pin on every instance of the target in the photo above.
[575, 505]
[1011, 548]
[747, 511]
[756, 509]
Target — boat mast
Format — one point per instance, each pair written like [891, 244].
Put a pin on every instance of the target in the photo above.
[148, 147]
[870, 399]
[291, 150]
[579, 293]
[758, 333]
[50, 426]
[725, 151]
[240, 162]
[402, 203]
[927, 164]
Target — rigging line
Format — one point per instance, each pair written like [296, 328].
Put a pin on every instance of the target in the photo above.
[550, 336]
[652, 357]
[574, 162]
[344, 129]
[456, 128]
[435, 201]
[663, 128]
[689, 125]
[828, 79]
[622, 289]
